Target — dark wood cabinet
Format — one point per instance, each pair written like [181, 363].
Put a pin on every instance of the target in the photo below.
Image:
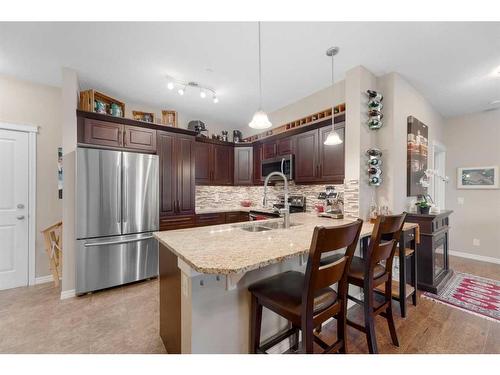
[284, 146]
[243, 165]
[177, 222]
[223, 157]
[177, 174]
[269, 150]
[257, 164]
[279, 147]
[306, 157]
[111, 134]
[331, 158]
[214, 164]
[185, 153]
[215, 218]
[432, 260]
[137, 138]
[237, 217]
[103, 133]
[316, 162]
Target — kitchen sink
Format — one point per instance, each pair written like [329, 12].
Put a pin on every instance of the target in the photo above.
[277, 225]
[264, 226]
[252, 228]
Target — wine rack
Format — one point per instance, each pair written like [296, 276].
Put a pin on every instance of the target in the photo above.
[374, 164]
[375, 106]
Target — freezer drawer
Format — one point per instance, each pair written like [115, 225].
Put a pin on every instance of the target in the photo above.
[106, 262]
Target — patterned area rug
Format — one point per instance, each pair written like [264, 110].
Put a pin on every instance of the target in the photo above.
[473, 294]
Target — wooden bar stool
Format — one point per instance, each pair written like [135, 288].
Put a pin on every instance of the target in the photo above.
[307, 300]
[375, 270]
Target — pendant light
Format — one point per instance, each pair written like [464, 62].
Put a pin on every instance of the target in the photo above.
[333, 137]
[260, 119]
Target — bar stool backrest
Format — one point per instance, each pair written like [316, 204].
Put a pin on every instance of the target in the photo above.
[383, 242]
[326, 239]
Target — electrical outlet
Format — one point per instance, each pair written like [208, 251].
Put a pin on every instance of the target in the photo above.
[476, 242]
[460, 200]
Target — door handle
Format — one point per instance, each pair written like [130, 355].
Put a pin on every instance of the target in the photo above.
[20, 206]
[124, 137]
[20, 217]
[119, 242]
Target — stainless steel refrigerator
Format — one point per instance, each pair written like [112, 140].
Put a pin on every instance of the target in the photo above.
[117, 211]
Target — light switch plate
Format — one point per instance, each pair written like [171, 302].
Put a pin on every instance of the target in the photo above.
[460, 200]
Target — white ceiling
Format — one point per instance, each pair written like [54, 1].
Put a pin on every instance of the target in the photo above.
[452, 64]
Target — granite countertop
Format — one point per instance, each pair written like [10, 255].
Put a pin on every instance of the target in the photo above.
[227, 249]
[212, 210]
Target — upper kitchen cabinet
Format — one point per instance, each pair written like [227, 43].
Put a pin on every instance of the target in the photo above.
[102, 133]
[275, 148]
[214, 163]
[306, 156]
[331, 158]
[257, 164]
[138, 138]
[316, 162]
[177, 173]
[243, 165]
[112, 134]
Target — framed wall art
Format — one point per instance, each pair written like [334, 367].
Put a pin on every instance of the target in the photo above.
[417, 148]
[477, 177]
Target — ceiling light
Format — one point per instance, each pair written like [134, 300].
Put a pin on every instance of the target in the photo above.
[203, 95]
[170, 85]
[181, 91]
[260, 119]
[333, 137]
[215, 99]
[495, 102]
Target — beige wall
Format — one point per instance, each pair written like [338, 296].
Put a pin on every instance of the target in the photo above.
[316, 102]
[39, 105]
[473, 141]
[400, 101]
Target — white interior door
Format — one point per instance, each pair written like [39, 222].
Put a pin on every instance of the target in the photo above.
[14, 189]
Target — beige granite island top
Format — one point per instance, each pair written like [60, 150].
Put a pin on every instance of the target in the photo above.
[227, 249]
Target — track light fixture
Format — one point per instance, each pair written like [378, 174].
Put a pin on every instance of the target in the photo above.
[182, 87]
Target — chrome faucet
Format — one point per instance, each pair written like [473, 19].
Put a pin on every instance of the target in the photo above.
[285, 211]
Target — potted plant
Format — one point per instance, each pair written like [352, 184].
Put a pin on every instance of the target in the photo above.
[423, 207]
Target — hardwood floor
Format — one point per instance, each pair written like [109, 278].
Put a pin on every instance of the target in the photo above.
[126, 320]
[432, 327]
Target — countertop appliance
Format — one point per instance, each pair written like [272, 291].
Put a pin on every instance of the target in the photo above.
[117, 209]
[283, 164]
[297, 203]
[237, 136]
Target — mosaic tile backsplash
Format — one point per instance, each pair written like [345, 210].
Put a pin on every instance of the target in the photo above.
[230, 196]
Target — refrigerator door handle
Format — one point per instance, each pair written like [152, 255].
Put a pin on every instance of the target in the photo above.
[118, 242]
[125, 193]
[118, 192]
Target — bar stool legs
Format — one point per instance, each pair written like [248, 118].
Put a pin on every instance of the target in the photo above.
[255, 325]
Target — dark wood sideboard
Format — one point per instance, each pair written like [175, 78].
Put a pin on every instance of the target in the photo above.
[433, 261]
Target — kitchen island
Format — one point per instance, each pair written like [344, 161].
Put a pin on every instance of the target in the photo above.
[205, 272]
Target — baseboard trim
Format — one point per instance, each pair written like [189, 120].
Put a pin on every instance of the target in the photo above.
[68, 294]
[44, 279]
[481, 258]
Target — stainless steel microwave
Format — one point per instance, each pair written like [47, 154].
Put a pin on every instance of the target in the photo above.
[283, 164]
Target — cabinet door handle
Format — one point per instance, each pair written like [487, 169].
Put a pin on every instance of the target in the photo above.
[120, 138]
[124, 138]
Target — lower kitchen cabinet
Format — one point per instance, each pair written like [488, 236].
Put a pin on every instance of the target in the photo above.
[210, 219]
[177, 222]
[237, 217]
